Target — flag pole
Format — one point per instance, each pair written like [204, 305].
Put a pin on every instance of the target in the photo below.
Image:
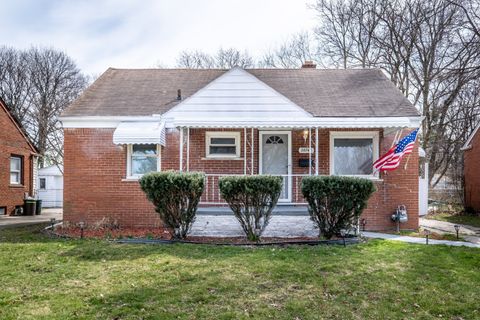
[397, 137]
[406, 163]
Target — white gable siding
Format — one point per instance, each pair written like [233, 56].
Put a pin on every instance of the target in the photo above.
[237, 96]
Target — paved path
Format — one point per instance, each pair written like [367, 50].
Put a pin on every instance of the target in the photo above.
[469, 233]
[17, 221]
[394, 237]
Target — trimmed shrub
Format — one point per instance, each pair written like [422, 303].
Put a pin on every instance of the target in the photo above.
[175, 196]
[252, 199]
[336, 203]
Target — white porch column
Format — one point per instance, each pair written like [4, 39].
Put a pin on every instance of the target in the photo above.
[309, 151]
[316, 151]
[188, 149]
[244, 151]
[181, 149]
[252, 153]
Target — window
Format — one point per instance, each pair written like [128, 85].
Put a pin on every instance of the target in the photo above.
[43, 183]
[142, 158]
[3, 211]
[353, 153]
[223, 144]
[15, 170]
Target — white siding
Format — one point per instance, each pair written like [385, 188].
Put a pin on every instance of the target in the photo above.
[237, 95]
[52, 195]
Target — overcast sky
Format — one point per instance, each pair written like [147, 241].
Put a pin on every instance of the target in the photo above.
[135, 34]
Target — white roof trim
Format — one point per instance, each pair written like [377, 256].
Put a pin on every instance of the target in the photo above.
[102, 121]
[140, 133]
[467, 144]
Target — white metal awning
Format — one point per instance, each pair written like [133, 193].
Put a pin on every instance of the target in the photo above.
[140, 132]
[314, 122]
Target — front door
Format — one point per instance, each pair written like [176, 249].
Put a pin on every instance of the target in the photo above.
[275, 158]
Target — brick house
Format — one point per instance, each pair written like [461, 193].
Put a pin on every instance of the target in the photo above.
[294, 123]
[18, 158]
[471, 161]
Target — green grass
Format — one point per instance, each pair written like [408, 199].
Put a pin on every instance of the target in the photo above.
[473, 221]
[45, 278]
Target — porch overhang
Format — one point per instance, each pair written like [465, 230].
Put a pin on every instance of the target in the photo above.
[315, 122]
[140, 132]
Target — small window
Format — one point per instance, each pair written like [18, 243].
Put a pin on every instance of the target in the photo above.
[15, 170]
[43, 183]
[3, 211]
[223, 144]
[274, 140]
[353, 153]
[143, 159]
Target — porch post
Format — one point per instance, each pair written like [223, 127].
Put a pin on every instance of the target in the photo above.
[309, 151]
[244, 151]
[316, 151]
[252, 153]
[181, 149]
[188, 149]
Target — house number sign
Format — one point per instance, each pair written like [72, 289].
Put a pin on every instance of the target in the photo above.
[305, 150]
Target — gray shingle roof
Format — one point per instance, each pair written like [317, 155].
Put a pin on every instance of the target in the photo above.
[323, 93]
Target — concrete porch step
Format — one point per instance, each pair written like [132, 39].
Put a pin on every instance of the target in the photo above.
[223, 225]
[279, 210]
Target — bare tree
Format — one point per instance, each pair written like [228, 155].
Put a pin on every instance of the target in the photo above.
[38, 84]
[430, 50]
[292, 53]
[223, 59]
[14, 84]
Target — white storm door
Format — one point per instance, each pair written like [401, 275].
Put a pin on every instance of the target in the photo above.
[275, 158]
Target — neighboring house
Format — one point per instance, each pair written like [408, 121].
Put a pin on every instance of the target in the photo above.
[50, 186]
[471, 160]
[289, 122]
[18, 160]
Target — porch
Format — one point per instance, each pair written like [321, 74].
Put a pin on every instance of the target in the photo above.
[290, 152]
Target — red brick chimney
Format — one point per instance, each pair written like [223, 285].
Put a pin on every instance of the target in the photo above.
[309, 64]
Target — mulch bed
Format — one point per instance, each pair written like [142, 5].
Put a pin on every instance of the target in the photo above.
[162, 236]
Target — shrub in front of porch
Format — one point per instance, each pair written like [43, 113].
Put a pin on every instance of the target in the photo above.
[175, 196]
[336, 203]
[252, 199]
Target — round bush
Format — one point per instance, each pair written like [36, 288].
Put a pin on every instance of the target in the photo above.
[175, 196]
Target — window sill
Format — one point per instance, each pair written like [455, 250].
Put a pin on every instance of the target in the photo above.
[16, 186]
[222, 158]
[131, 179]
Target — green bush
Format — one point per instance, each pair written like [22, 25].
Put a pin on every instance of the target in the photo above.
[336, 203]
[252, 199]
[175, 196]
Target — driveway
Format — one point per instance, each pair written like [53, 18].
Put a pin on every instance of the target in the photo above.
[469, 233]
[16, 221]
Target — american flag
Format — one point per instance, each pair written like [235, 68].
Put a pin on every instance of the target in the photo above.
[391, 160]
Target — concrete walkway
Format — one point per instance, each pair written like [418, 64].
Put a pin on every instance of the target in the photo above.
[394, 237]
[469, 233]
[17, 221]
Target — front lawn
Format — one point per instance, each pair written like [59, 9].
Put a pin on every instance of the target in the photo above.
[64, 279]
[470, 220]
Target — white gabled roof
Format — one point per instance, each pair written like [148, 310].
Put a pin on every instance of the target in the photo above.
[140, 132]
[467, 144]
[236, 96]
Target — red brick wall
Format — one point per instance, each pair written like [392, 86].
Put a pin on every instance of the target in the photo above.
[472, 174]
[95, 167]
[12, 142]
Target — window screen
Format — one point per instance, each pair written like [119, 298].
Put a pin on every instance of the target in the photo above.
[353, 156]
